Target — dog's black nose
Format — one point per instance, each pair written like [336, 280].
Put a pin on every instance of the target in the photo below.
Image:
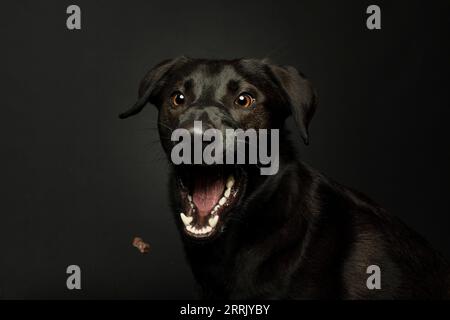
[197, 129]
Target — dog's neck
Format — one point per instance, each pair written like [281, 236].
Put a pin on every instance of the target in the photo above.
[265, 217]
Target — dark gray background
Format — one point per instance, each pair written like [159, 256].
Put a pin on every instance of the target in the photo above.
[78, 184]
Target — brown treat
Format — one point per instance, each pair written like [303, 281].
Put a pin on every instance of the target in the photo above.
[142, 246]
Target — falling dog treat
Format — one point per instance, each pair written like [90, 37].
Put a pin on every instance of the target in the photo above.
[142, 246]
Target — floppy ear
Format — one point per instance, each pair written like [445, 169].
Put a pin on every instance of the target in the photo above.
[300, 96]
[150, 83]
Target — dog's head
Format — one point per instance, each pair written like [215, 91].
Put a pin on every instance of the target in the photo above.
[222, 94]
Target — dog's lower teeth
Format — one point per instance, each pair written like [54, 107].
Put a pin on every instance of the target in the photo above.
[222, 201]
[201, 231]
[227, 193]
[213, 221]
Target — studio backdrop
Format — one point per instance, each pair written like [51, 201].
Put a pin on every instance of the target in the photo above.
[78, 184]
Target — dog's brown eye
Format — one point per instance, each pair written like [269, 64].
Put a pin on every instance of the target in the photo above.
[178, 99]
[244, 100]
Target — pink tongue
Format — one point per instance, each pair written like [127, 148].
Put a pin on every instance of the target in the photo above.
[207, 193]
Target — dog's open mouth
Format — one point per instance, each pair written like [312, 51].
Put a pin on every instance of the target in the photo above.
[208, 193]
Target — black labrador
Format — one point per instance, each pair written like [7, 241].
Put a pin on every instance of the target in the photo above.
[293, 235]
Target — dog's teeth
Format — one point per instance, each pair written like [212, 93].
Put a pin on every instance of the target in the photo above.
[227, 193]
[200, 231]
[186, 220]
[230, 182]
[222, 201]
[189, 198]
[217, 207]
[213, 221]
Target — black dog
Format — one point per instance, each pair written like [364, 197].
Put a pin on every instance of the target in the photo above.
[292, 235]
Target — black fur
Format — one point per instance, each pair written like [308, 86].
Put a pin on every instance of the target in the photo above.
[297, 234]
